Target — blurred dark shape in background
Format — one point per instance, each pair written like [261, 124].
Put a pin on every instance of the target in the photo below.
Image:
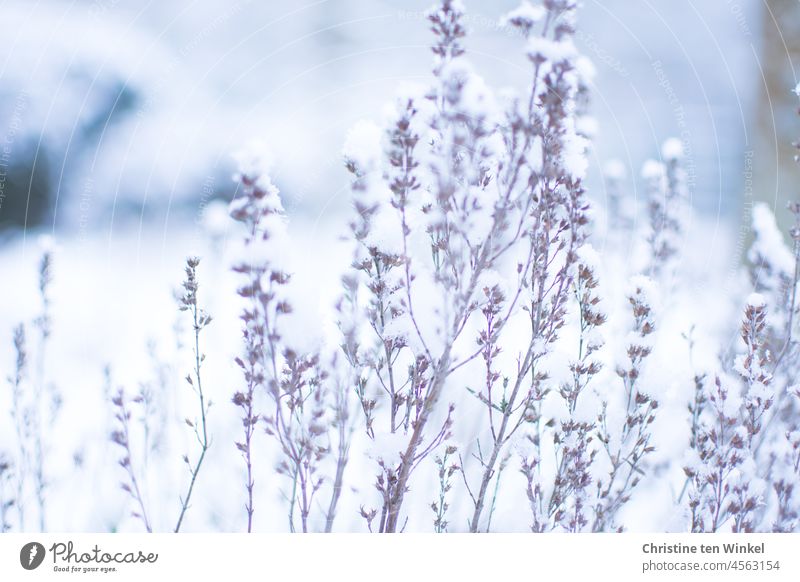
[110, 112]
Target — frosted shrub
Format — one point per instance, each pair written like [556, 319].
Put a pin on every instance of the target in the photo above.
[470, 226]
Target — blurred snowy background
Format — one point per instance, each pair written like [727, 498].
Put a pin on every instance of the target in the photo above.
[118, 118]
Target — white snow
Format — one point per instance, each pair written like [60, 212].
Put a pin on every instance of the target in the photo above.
[653, 170]
[362, 146]
[526, 14]
[769, 242]
[573, 155]
[615, 170]
[672, 149]
[551, 50]
[756, 300]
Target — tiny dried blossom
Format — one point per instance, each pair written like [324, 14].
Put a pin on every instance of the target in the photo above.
[446, 22]
[445, 472]
[121, 437]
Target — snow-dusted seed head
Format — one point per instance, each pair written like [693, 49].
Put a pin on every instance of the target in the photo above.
[446, 23]
[524, 17]
[753, 364]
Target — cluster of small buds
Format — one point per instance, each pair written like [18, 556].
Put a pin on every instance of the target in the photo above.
[121, 437]
[487, 342]
[746, 495]
[525, 17]
[446, 23]
[721, 449]
[446, 470]
[591, 318]
[529, 467]
[574, 438]
[752, 366]
[575, 453]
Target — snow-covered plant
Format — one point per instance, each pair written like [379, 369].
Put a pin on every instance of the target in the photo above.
[628, 442]
[480, 352]
[296, 385]
[723, 477]
[495, 195]
[574, 437]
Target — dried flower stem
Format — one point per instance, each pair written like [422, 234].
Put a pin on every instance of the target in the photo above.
[200, 319]
[7, 501]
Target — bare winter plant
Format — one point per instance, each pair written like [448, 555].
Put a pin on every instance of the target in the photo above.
[200, 319]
